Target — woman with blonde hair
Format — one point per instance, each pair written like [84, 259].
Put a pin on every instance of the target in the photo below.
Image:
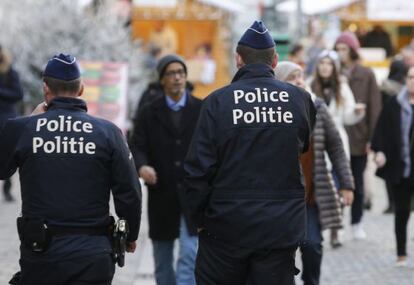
[322, 200]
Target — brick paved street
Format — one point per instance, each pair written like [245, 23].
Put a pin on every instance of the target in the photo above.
[369, 262]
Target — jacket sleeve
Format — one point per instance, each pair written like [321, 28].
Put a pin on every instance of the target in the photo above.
[350, 117]
[13, 92]
[147, 96]
[125, 185]
[336, 151]
[379, 138]
[139, 139]
[374, 105]
[201, 164]
[9, 137]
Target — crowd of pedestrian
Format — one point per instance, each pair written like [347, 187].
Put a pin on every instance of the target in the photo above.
[210, 165]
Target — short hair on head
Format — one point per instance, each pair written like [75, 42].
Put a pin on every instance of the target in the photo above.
[57, 86]
[250, 55]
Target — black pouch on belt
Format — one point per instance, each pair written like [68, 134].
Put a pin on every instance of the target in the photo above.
[33, 233]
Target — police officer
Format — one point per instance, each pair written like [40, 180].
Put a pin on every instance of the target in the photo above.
[68, 163]
[244, 182]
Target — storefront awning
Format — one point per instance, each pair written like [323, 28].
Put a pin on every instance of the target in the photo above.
[311, 7]
[227, 5]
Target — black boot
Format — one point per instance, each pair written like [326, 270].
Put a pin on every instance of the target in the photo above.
[6, 191]
[368, 204]
[389, 210]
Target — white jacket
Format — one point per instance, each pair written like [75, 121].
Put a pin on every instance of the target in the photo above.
[344, 114]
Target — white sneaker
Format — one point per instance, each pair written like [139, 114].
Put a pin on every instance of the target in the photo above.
[341, 235]
[358, 231]
[401, 263]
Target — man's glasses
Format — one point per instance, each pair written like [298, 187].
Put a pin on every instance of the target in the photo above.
[173, 73]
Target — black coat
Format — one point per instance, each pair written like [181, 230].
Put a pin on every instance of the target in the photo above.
[387, 139]
[155, 91]
[157, 143]
[244, 182]
[11, 92]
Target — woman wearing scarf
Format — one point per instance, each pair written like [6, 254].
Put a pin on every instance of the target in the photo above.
[333, 88]
[323, 208]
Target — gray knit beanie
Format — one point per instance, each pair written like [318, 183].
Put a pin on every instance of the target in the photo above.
[285, 68]
[167, 60]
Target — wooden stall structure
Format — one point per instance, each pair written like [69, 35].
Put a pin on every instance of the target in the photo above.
[198, 32]
[361, 16]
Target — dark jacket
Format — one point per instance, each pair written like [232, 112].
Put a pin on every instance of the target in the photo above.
[69, 184]
[378, 38]
[10, 93]
[326, 139]
[389, 89]
[365, 89]
[157, 143]
[387, 139]
[244, 182]
[155, 91]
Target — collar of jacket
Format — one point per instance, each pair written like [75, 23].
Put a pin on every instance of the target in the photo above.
[68, 103]
[161, 102]
[161, 111]
[404, 100]
[254, 70]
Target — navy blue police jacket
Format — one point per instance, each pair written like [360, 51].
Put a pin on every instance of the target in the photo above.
[244, 182]
[68, 163]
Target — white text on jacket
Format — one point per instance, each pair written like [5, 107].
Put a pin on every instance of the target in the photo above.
[68, 137]
[260, 111]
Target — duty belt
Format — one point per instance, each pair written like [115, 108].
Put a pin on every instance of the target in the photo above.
[64, 231]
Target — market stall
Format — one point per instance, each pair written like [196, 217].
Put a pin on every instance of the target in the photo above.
[199, 31]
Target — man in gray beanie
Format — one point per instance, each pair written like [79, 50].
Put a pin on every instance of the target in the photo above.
[155, 89]
[161, 136]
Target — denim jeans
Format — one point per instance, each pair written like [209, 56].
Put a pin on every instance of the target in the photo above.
[164, 259]
[312, 248]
